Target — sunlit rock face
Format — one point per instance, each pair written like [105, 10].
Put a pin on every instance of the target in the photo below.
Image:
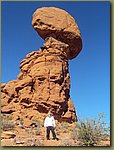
[57, 23]
[44, 81]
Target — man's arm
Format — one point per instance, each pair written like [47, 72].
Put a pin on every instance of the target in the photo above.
[53, 122]
[45, 122]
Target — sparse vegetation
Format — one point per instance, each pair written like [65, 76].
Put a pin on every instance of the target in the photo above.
[66, 142]
[64, 127]
[35, 127]
[7, 123]
[34, 142]
[91, 131]
[88, 132]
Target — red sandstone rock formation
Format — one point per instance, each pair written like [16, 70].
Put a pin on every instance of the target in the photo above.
[57, 23]
[44, 81]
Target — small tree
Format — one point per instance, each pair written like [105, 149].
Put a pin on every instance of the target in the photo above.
[92, 131]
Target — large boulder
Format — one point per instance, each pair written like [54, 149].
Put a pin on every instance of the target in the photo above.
[57, 23]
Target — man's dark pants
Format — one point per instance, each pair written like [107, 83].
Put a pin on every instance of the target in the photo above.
[50, 128]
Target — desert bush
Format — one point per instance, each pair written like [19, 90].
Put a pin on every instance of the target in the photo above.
[30, 142]
[35, 127]
[7, 123]
[39, 142]
[74, 134]
[34, 142]
[91, 131]
[36, 131]
[66, 142]
[64, 127]
[6, 126]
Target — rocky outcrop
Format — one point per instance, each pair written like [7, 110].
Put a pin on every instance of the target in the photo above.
[44, 80]
[8, 135]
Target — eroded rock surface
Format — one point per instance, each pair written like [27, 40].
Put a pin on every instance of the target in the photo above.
[44, 81]
[57, 23]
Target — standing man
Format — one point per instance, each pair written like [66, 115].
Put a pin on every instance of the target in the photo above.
[49, 123]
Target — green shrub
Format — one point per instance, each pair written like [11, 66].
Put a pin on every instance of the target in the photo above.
[91, 131]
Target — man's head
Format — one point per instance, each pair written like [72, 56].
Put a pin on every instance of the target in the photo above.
[50, 113]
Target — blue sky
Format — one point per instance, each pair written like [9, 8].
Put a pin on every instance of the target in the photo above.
[89, 71]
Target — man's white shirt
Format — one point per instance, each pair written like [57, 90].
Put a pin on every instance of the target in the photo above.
[49, 121]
